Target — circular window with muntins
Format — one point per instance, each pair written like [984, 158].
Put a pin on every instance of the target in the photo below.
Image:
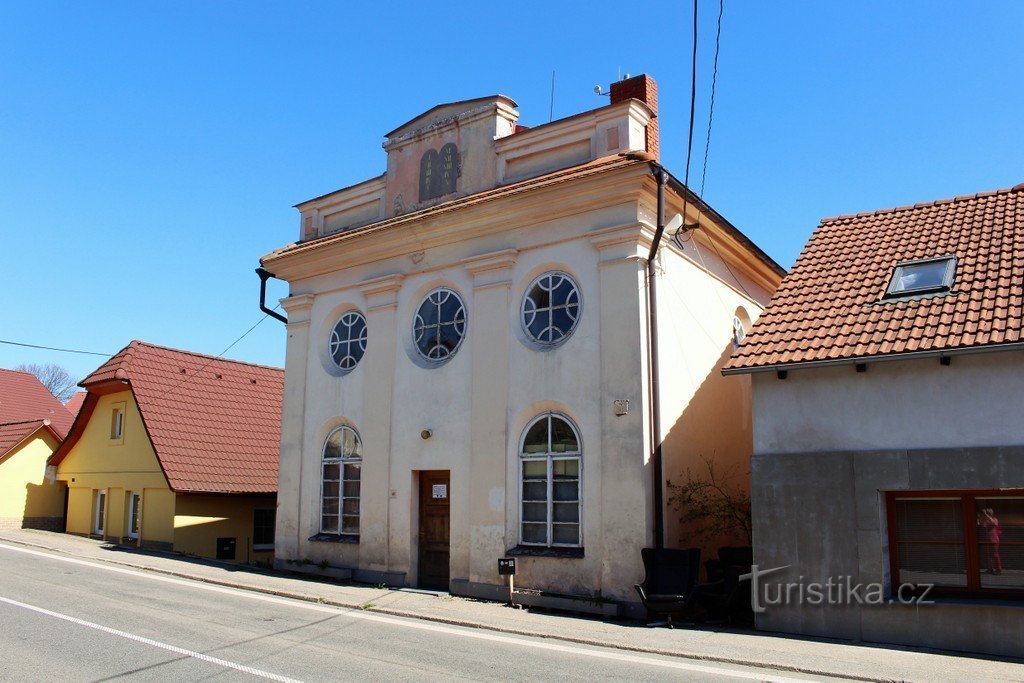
[348, 340]
[551, 308]
[440, 325]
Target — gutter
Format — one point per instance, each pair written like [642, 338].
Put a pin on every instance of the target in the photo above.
[908, 355]
[662, 176]
[265, 275]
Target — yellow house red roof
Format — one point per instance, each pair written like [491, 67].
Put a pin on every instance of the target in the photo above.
[214, 423]
[831, 308]
[13, 434]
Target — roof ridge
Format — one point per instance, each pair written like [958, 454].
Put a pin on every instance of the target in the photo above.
[24, 422]
[921, 205]
[21, 372]
[207, 356]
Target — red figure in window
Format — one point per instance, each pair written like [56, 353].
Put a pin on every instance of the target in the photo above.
[991, 533]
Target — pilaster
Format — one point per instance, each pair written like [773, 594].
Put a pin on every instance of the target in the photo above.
[485, 495]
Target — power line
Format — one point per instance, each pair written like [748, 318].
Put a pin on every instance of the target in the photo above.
[693, 105]
[53, 348]
[711, 109]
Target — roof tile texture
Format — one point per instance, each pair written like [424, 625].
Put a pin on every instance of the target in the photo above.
[13, 433]
[830, 306]
[23, 397]
[215, 424]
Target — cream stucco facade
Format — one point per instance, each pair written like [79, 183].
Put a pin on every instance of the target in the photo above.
[474, 408]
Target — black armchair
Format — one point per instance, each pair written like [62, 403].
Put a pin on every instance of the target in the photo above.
[669, 585]
[726, 597]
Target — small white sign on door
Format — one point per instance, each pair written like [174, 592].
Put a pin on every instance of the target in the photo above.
[440, 490]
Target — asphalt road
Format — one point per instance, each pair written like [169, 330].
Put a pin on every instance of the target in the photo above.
[67, 619]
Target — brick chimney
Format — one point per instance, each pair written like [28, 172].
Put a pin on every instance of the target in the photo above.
[641, 88]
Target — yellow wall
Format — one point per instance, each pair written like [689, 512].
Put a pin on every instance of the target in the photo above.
[119, 467]
[187, 523]
[24, 489]
[201, 519]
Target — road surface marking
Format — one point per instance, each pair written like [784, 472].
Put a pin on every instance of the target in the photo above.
[153, 643]
[424, 625]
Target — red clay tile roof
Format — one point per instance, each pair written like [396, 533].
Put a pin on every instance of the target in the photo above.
[830, 306]
[23, 397]
[214, 423]
[74, 403]
[12, 434]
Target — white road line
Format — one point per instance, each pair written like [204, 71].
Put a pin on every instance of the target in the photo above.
[153, 643]
[427, 625]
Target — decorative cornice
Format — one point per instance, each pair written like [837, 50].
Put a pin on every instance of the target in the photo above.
[639, 234]
[381, 285]
[381, 292]
[496, 260]
[298, 307]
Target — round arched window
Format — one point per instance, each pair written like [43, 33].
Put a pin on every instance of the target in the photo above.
[339, 492]
[440, 325]
[348, 340]
[550, 468]
[551, 308]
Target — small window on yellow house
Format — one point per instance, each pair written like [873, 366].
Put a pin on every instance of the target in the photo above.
[117, 423]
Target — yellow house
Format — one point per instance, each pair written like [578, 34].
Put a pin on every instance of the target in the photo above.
[175, 450]
[32, 425]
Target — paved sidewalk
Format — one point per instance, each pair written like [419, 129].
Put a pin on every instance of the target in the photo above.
[822, 657]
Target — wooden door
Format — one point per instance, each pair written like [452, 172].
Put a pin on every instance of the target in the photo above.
[435, 522]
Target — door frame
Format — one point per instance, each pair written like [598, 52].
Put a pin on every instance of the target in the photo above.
[418, 519]
[132, 516]
[99, 513]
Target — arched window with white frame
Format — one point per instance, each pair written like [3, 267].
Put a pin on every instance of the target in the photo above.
[550, 469]
[339, 493]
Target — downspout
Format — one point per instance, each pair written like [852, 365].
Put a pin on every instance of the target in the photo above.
[653, 364]
[264, 276]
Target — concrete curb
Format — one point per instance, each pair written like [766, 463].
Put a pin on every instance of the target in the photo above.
[739, 661]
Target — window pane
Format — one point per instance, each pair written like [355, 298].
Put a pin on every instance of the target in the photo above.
[566, 490]
[330, 506]
[567, 512]
[351, 489]
[535, 533]
[563, 439]
[351, 506]
[535, 469]
[351, 443]
[330, 489]
[922, 275]
[329, 524]
[535, 490]
[566, 469]
[331, 472]
[1001, 542]
[566, 533]
[333, 449]
[536, 440]
[930, 541]
[535, 512]
[351, 472]
[551, 308]
[349, 525]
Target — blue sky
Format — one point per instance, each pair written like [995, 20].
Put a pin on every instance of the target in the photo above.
[149, 155]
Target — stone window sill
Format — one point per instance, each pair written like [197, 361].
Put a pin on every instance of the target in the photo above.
[334, 538]
[540, 551]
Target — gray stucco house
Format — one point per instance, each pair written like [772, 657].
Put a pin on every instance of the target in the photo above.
[888, 385]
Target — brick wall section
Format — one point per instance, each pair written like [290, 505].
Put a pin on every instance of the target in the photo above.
[645, 89]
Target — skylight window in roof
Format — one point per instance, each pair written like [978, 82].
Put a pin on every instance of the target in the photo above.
[922, 277]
